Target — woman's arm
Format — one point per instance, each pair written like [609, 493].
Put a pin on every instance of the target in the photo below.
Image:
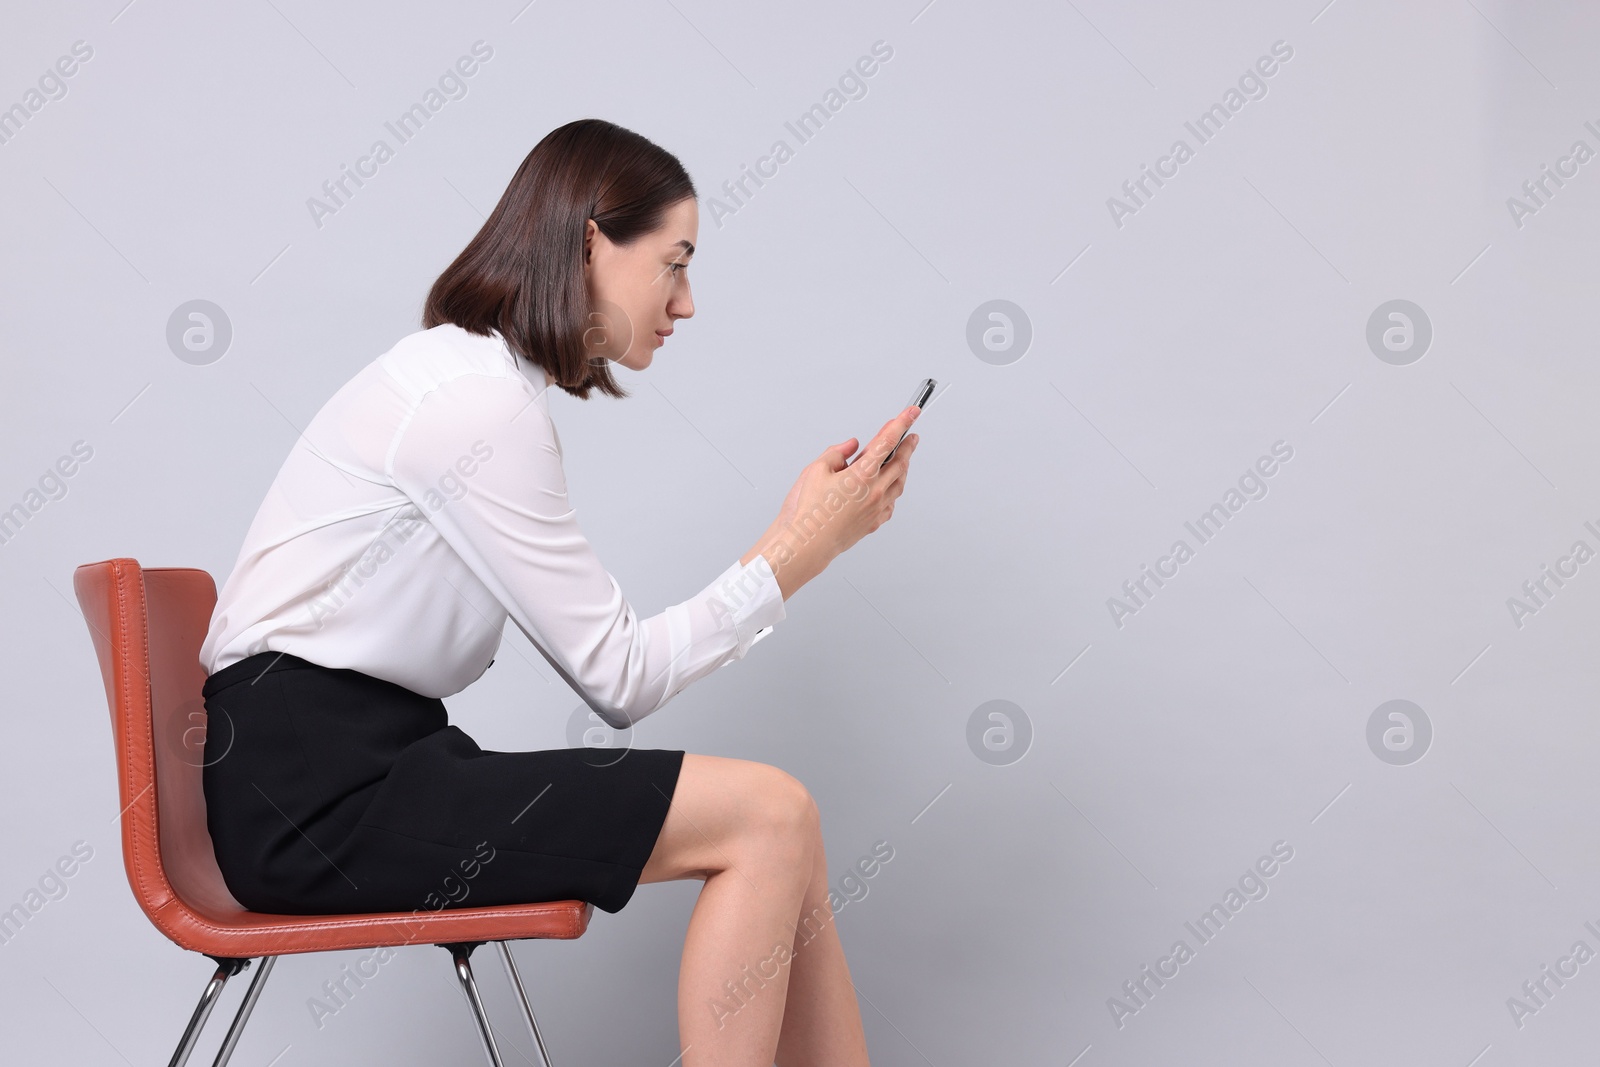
[511, 523]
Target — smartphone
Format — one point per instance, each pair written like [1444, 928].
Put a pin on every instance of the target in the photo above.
[918, 398]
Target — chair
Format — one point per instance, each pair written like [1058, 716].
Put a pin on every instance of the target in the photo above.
[147, 627]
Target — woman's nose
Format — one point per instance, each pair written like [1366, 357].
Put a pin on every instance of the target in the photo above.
[682, 304]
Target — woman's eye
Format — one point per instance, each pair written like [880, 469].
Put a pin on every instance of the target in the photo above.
[676, 267]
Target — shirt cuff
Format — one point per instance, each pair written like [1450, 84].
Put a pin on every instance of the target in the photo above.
[754, 600]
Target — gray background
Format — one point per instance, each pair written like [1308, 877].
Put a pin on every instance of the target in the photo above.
[1229, 313]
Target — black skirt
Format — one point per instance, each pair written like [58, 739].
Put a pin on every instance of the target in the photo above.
[329, 791]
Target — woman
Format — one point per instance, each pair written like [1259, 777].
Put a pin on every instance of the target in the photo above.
[423, 505]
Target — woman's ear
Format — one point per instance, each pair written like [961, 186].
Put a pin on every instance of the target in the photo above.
[589, 230]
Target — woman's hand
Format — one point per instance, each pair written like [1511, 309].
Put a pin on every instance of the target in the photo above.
[835, 503]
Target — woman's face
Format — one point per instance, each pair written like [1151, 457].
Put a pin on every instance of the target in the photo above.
[638, 291]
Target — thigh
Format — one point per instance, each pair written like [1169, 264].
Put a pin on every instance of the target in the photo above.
[725, 809]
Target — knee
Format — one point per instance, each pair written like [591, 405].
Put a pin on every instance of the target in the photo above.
[787, 809]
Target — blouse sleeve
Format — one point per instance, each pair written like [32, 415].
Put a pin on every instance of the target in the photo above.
[480, 456]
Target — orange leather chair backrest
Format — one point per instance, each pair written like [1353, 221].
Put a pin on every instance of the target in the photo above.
[148, 626]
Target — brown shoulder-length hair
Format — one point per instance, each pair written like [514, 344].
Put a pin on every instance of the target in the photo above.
[522, 273]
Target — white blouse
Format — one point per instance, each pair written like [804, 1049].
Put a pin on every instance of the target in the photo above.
[424, 504]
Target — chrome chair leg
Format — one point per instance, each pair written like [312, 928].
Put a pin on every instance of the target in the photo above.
[251, 995]
[522, 997]
[459, 954]
[226, 968]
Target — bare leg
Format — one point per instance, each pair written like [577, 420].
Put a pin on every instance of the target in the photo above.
[750, 832]
[821, 1019]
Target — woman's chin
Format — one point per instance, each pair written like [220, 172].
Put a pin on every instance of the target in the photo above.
[632, 360]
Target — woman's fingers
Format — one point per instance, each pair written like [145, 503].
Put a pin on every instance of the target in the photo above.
[884, 440]
[895, 469]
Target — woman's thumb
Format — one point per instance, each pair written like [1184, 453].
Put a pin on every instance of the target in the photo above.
[843, 451]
